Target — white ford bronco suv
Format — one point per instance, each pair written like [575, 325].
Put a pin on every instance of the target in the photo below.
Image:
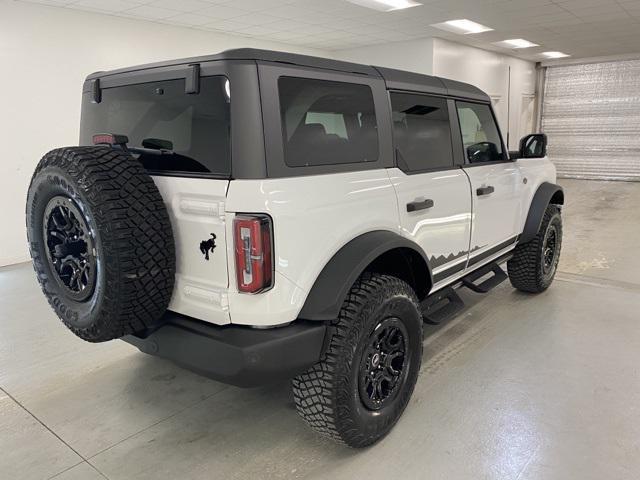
[257, 216]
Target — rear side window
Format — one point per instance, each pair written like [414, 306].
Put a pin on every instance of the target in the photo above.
[175, 131]
[480, 134]
[422, 132]
[327, 123]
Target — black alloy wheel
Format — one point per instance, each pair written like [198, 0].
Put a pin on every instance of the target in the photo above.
[70, 247]
[550, 250]
[382, 368]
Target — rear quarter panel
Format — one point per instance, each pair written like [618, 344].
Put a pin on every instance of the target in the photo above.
[313, 217]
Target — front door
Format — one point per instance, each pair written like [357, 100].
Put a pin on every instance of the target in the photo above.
[496, 183]
[433, 194]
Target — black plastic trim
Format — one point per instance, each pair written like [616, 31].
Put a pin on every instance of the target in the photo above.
[192, 79]
[411, 82]
[96, 91]
[457, 147]
[394, 79]
[234, 354]
[332, 285]
[539, 203]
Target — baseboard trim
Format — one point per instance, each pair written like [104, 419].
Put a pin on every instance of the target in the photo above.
[7, 261]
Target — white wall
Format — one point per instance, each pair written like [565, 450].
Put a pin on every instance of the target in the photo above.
[489, 71]
[45, 53]
[414, 55]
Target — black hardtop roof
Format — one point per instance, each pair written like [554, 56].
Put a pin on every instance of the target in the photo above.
[394, 79]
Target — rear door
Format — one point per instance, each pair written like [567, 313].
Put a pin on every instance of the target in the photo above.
[496, 183]
[183, 140]
[433, 192]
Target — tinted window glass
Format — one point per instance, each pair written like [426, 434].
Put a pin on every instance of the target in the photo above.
[181, 132]
[327, 123]
[422, 132]
[480, 134]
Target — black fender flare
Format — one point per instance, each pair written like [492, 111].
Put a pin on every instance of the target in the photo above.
[336, 278]
[547, 193]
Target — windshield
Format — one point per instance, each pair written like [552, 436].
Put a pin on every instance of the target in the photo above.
[182, 132]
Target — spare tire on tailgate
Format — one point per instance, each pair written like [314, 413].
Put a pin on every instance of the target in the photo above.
[101, 241]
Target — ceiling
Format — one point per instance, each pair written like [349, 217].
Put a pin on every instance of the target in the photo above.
[581, 28]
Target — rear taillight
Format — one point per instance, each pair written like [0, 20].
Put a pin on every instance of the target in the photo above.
[252, 235]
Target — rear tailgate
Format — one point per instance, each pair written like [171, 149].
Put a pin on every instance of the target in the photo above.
[196, 209]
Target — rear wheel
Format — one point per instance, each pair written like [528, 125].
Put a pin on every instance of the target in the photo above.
[361, 386]
[101, 241]
[534, 264]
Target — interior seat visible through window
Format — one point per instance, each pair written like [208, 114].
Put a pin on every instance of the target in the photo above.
[326, 122]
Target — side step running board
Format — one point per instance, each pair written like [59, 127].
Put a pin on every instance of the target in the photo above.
[490, 283]
[441, 305]
[446, 303]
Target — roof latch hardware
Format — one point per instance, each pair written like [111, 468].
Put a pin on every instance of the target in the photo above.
[192, 79]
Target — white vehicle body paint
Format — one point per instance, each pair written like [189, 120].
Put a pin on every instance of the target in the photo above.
[196, 210]
[314, 216]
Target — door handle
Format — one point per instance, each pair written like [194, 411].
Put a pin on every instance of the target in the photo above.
[419, 205]
[485, 190]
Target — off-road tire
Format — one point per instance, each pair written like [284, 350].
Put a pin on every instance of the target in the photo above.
[327, 395]
[130, 237]
[525, 268]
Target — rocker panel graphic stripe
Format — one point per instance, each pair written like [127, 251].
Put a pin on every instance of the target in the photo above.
[448, 272]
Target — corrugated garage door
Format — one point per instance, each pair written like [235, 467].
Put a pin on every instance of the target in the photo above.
[591, 114]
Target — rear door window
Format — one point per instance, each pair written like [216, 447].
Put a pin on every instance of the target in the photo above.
[422, 132]
[326, 122]
[176, 131]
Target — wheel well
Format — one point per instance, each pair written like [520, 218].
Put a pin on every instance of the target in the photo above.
[557, 198]
[406, 264]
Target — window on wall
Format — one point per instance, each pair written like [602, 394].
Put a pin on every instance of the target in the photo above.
[480, 134]
[422, 132]
[326, 122]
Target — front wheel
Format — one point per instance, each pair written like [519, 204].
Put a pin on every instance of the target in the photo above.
[534, 264]
[361, 386]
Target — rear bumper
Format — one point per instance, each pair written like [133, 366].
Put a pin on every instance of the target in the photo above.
[238, 355]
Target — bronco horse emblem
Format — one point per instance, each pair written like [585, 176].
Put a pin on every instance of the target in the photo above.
[207, 245]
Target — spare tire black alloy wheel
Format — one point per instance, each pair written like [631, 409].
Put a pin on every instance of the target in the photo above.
[101, 241]
[70, 247]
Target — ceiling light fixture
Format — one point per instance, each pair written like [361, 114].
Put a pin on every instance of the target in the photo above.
[462, 26]
[555, 54]
[386, 5]
[516, 43]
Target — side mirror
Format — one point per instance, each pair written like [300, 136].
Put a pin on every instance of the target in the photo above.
[533, 146]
